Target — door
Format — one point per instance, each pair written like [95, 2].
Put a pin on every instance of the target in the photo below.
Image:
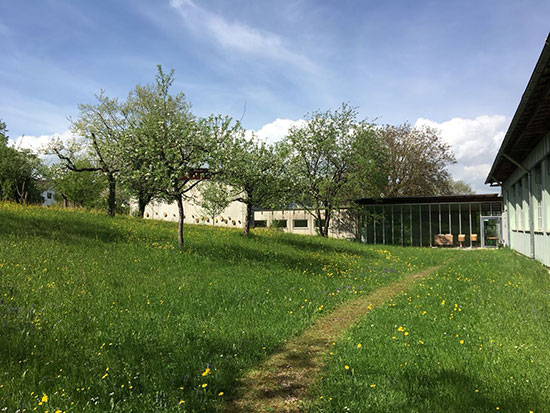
[491, 232]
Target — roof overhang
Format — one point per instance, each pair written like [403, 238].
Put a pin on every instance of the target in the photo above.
[529, 124]
[434, 199]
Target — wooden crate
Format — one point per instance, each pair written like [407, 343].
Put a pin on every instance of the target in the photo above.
[442, 240]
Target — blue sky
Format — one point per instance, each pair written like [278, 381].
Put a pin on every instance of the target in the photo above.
[460, 66]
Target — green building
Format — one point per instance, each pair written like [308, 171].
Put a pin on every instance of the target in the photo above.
[522, 168]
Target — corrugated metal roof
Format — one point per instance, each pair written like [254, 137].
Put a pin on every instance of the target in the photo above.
[530, 123]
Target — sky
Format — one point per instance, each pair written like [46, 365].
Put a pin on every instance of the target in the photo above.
[458, 66]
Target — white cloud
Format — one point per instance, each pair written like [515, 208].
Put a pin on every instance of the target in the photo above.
[275, 131]
[238, 36]
[475, 143]
[36, 144]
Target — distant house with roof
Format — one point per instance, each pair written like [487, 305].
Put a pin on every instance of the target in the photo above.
[522, 167]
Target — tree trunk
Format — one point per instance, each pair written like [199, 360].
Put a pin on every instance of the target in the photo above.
[179, 200]
[111, 201]
[320, 224]
[327, 222]
[248, 218]
[142, 203]
[65, 201]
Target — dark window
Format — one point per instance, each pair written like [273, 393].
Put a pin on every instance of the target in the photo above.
[260, 224]
[49, 195]
[300, 223]
[279, 223]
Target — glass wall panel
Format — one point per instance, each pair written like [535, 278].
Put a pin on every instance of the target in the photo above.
[465, 223]
[426, 235]
[476, 226]
[445, 219]
[455, 223]
[377, 224]
[406, 229]
[416, 230]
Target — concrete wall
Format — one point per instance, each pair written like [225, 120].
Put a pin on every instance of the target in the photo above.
[232, 216]
[298, 221]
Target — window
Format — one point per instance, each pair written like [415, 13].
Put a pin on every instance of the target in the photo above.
[512, 207]
[279, 223]
[316, 223]
[300, 223]
[526, 201]
[538, 197]
[49, 195]
[519, 204]
[262, 223]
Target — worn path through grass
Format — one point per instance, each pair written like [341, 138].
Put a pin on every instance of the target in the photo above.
[281, 382]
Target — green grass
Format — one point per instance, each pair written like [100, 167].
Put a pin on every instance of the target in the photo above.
[101, 314]
[473, 337]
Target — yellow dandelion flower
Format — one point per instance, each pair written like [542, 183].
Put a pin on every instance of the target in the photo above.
[358, 345]
[206, 372]
[44, 398]
[373, 385]
[406, 333]
[204, 385]
[220, 394]
[461, 341]
[346, 367]
[181, 402]
[443, 302]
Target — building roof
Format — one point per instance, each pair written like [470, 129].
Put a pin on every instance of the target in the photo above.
[530, 123]
[435, 199]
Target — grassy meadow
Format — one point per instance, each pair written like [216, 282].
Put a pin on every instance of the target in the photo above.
[473, 337]
[100, 314]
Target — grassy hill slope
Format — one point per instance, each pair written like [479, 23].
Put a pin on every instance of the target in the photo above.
[99, 314]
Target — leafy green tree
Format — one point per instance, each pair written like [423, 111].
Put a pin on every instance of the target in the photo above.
[214, 198]
[459, 187]
[136, 145]
[77, 188]
[100, 127]
[254, 175]
[3, 133]
[19, 172]
[179, 146]
[335, 159]
[417, 161]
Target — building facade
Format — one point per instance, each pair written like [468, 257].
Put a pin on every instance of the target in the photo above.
[421, 221]
[522, 167]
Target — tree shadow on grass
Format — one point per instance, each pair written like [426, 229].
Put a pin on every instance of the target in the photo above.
[67, 228]
[454, 391]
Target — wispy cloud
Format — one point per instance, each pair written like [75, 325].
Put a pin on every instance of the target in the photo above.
[238, 36]
[5, 30]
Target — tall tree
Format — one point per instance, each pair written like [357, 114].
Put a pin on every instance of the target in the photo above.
[100, 126]
[254, 175]
[214, 198]
[335, 159]
[180, 146]
[135, 148]
[77, 188]
[19, 172]
[3, 133]
[459, 187]
[417, 161]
